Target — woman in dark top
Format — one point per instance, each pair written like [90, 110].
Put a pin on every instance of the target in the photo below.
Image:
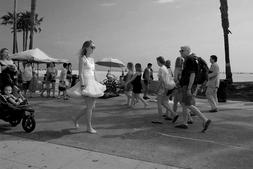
[137, 86]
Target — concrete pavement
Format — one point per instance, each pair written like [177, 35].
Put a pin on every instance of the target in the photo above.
[27, 154]
[129, 138]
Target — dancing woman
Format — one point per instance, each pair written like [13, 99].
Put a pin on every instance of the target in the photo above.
[87, 88]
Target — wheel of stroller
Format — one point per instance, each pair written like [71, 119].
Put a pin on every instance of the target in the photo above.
[15, 122]
[28, 124]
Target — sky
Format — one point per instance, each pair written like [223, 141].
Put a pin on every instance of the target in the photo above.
[139, 30]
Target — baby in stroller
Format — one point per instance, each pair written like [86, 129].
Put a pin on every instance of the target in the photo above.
[14, 108]
[7, 94]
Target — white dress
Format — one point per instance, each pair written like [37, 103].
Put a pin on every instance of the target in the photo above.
[92, 87]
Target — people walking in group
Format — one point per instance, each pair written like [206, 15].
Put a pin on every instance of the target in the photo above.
[87, 88]
[213, 84]
[137, 86]
[128, 88]
[165, 83]
[147, 78]
[189, 72]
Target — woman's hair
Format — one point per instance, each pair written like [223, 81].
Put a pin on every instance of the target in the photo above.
[138, 67]
[161, 60]
[1, 52]
[167, 63]
[179, 62]
[86, 44]
[130, 66]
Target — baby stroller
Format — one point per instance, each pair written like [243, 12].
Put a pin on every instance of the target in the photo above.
[14, 114]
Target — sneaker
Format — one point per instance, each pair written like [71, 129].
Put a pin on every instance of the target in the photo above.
[182, 126]
[157, 122]
[167, 118]
[189, 122]
[145, 98]
[213, 110]
[175, 119]
[206, 125]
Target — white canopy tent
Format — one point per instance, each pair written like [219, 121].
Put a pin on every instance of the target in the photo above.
[36, 56]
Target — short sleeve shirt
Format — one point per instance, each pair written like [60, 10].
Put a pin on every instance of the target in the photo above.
[190, 66]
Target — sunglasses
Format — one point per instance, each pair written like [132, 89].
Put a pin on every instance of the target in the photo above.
[181, 51]
[93, 47]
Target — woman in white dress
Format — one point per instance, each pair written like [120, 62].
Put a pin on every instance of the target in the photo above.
[87, 88]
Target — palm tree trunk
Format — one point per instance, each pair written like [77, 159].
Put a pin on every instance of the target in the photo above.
[15, 27]
[23, 40]
[33, 7]
[26, 38]
[226, 31]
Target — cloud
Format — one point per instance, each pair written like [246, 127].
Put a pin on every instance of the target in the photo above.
[164, 1]
[108, 4]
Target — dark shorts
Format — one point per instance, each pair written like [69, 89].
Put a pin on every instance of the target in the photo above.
[188, 100]
[170, 92]
[62, 88]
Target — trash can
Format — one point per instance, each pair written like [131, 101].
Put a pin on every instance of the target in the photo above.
[222, 91]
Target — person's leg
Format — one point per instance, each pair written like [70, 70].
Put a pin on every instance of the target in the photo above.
[142, 100]
[159, 106]
[128, 95]
[48, 88]
[53, 88]
[59, 94]
[184, 124]
[210, 95]
[145, 92]
[206, 121]
[82, 113]
[90, 106]
[133, 98]
[65, 95]
[165, 103]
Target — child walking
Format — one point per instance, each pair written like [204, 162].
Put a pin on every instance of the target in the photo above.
[137, 86]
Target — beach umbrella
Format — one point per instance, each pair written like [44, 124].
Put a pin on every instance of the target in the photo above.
[110, 62]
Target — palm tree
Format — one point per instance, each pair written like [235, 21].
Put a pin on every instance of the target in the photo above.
[33, 7]
[25, 24]
[226, 31]
[8, 19]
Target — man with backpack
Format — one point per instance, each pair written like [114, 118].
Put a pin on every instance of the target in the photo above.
[188, 84]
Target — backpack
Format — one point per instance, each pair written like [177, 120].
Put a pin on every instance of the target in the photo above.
[202, 74]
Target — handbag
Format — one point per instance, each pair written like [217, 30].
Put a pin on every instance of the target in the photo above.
[169, 83]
